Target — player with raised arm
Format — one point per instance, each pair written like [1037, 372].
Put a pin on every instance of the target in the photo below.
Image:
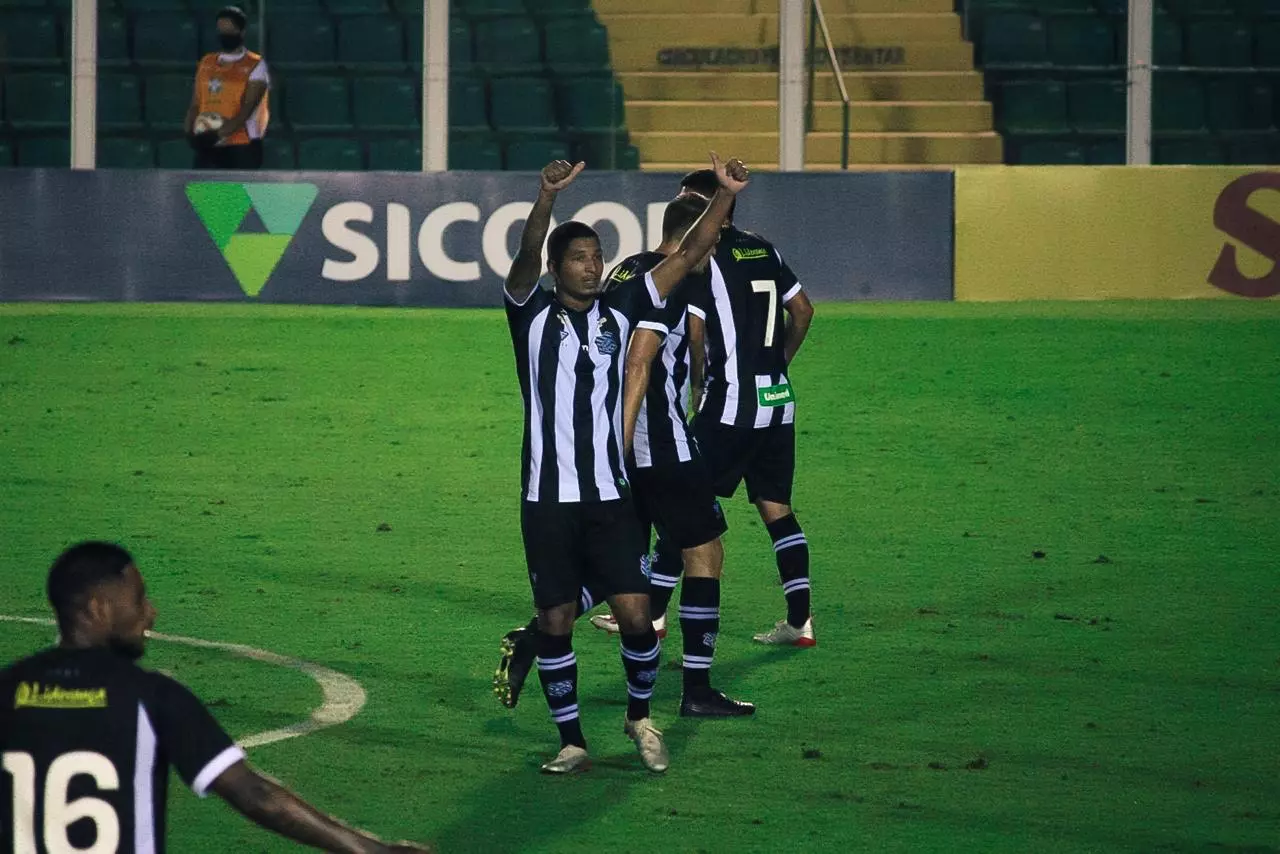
[578, 520]
[87, 736]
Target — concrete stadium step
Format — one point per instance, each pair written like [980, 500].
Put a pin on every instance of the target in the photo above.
[937, 148]
[668, 30]
[746, 116]
[754, 7]
[763, 86]
[630, 56]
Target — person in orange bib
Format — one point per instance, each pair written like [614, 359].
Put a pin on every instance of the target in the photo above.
[229, 108]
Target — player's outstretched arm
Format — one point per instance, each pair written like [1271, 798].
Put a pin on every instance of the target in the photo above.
[701, 239]
[645, 344]
[527, 266]
[799, 317]
[265, 802]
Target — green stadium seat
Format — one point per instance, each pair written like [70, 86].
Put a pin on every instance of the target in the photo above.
[1081, 40]
[45, 152]
[358, 7]
[1166, 41]
[981, 8]
[174, 154]
[590, 103]
[1177, 103]
[1258, 8]
[1266, 48]
[475, 152]
[577, 45]
[153, 5]
[278, 153]
[1106, 152]
[165, 100]
[318, 103]
[629, 158]
[1197, 150]
[291, 7]
[1198, 8]
[493, 8]
[371, 40]
[508, 46]
[1033, 106]
[1113, 7]
[399, 154]
[1251, 150]
[36, 100]
[1037, 152]
[21, 4]
[467, 105]
[119, 101]
[125, 153]
[461, 54]
[385, 103]
[1220, 44]
[300, 40]
[28, 37]
[6, 154]
[522, 105]
[530, 155]
[1097, 105]
[601, 150]
[113, 38]
[330, 154]
[166, 39]
[1014, 39]
[1239, 103]
[1063, 7]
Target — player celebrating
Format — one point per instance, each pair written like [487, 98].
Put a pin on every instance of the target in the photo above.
[577, 519]
[83, 720]
[672, 484]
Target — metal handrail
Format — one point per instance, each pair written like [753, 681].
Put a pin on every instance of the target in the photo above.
[819, 19]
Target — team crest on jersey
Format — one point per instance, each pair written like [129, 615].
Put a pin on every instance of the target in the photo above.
[215, 86]
[607, 343]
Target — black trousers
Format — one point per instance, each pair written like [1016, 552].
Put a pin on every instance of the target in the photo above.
[245, 157]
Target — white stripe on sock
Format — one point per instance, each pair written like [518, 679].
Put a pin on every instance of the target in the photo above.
[790, 542]
[697, 662]
[568, 713]
[797, 584]
[556, 663]
[639, 693]
[690, 612]
[641, 656]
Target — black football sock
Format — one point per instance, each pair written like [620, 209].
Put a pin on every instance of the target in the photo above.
[664, 575]
[791, 550]
[640, 659]
[558, 672]
[699, 626]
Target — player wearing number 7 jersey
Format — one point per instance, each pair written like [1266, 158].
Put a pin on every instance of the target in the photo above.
[87, 737]
[747, 323]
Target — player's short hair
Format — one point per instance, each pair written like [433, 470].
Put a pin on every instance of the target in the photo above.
[564, 234]
[705, 183]
[235, 15]
[80, 569]
[680, 215]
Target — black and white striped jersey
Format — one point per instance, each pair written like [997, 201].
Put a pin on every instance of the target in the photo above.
[571, 366]
[662, 432]
[87, 739]
[746, 329]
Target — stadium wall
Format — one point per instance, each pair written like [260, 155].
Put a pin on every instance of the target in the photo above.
[1076, 232]
[427, 240]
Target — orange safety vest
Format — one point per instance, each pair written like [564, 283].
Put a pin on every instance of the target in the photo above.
[221, 87]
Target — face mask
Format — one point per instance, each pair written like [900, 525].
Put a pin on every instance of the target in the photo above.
[230, 41]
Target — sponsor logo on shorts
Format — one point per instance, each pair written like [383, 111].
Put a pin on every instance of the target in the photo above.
[563, 688]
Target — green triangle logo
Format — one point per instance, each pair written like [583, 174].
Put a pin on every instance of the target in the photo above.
[222, 208]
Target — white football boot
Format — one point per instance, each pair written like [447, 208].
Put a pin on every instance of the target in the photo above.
[784, 634]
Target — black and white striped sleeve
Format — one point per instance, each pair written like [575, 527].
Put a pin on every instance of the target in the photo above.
[192, 741]
[788, 283]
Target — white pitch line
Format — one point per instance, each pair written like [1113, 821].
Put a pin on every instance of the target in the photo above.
[343, 696]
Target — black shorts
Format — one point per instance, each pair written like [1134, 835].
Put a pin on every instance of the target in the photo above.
[678, 500]
[568, 546]
[765, 458]
[234, 157]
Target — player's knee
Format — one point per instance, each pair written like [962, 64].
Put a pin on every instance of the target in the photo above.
[772, 511]
[557, 620]
[705, 561]
[632, 613]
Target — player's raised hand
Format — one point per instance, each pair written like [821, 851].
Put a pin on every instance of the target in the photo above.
[733, 176]
[559, 174]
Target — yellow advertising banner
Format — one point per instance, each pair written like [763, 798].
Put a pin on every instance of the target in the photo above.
[1115, 232]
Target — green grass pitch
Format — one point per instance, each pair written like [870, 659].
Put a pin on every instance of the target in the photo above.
[1119, 693]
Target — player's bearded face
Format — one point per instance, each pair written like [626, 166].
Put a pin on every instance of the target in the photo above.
[581, 268]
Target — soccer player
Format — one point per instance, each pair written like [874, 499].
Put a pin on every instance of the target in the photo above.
[577, 518]
[88, 737]
[749, 327]
[672, 485]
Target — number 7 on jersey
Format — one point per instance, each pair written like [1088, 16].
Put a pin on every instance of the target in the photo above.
[770, 287]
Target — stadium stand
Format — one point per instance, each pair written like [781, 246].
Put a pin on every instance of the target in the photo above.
[529, 80]
[1055, 72]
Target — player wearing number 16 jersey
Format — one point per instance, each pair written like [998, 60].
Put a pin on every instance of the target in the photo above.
[87, 737]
